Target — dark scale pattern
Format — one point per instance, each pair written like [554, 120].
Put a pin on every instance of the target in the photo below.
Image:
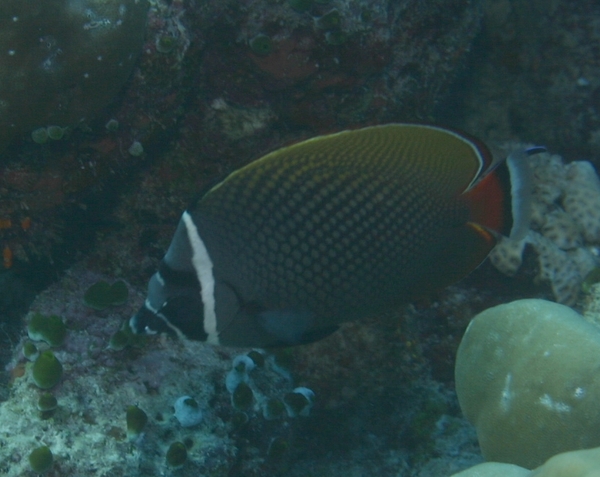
[340, 227]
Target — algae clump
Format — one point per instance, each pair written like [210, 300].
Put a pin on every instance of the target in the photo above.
[50, 329]
[278, 447]
[30, 350]
[47, 402]
[39, 135]
[177, 454]
[273, 408]
[166, 44]
[590, 280]
[46, 370]
[242, 397]
[299, 402]
[136, 421]
[187, 411]
[41, 459]
[102, 294]
[119, 341]
[56, 133]
[47, 405]
[261, 45]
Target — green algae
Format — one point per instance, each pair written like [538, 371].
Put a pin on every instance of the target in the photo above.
[30, 350]
[166, 44]
[112, 125]
[242, 397]
[176, 455]
[47, 402]
[50, 329]
[136, 421]
[590, 280]
[261, 45]
[257, 357]
[296, 402]
[118, 341]
[41, 459]
[46, 370]
[56, 133]
[273, 409]
[39, 135]
[239, 419]
[47, 405]
[102, 294]
[278, 447]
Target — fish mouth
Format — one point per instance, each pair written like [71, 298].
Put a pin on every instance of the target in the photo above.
[145, 322]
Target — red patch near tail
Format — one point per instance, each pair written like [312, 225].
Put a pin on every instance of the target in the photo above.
[490, 201]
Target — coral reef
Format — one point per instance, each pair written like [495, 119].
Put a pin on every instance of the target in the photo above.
[201, 101]
[526, 380]
[217, 84]
[340, 62]
[62, 62]
[565, 226]
[56, 193]
[581, 463]
[361, 372]
[525, 377]
[99, 385]
[106, 395]
[536, 77]
[102, 294]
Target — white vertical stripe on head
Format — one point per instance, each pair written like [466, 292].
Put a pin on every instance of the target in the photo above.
[148, 304]
[204, 270]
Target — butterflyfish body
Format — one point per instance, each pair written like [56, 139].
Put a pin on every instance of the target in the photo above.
[331, 229]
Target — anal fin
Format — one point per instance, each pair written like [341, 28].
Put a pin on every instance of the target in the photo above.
[462, 253]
